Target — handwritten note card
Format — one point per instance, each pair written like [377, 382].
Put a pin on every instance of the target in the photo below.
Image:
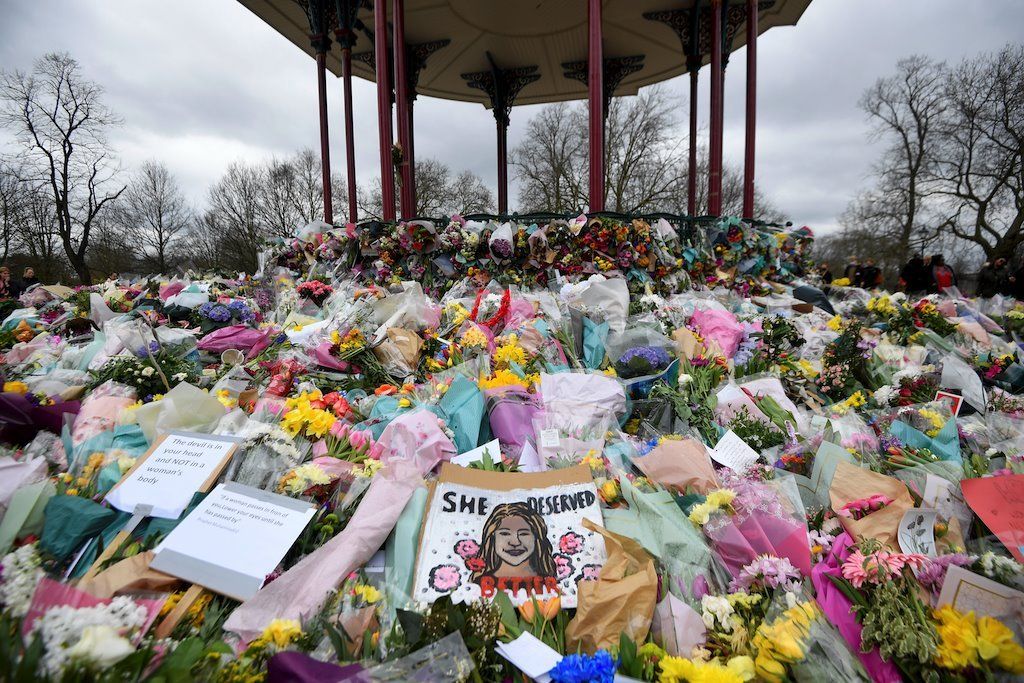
[178, 465]
[233, 539]
[734, 453]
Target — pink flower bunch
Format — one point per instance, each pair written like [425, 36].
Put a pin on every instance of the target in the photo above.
[879, 566]
[765, 572]
[862, 507]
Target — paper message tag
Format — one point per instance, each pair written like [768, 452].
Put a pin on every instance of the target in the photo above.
[176, 466]
[492, 448]
[530, 460]
[549, 438]
[957, 400]
[970, 592]
[233, 539]
[530, 655]
[944, 496]
[734, 453]
[917, 531]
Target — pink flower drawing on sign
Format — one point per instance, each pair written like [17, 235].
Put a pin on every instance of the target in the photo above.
[590, 572]
[563, 566]
[445, 578]
[467, 548]
[570, 543]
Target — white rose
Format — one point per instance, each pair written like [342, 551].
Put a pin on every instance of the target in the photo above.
[102, 646]
[148, 372]
[685, 379]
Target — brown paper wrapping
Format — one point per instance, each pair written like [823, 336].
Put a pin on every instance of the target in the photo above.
[130, 574]
[401, 350]
[620, 601]
[680, 465]
[853, 483]
[355, 624]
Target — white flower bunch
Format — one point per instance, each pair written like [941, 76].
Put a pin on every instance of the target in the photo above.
[21, 574]
[716, 608]
[884, 395]
[63, 628]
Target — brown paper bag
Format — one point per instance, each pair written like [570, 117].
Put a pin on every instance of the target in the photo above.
[355, 624]
[400, 351]
[130, 574]
[680, 465]
[853, 483]
[620, 601]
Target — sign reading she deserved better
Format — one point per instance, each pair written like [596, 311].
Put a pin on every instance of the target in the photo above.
[167, 476]
[521, 533]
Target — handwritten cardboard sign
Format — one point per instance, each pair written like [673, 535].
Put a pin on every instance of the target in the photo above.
[233, 539]
[521, 533]
[167, 476]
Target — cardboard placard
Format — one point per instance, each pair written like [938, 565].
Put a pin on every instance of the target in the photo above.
[233, 539]
[518, 532]
[167, 476]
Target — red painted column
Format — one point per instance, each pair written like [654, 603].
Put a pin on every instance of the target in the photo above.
[380, 49]
[325, 147]
[691, 184]
[595, 86]
[406, 199]
[715, 162]
[410, 153]
[748, 152]
[350, 143]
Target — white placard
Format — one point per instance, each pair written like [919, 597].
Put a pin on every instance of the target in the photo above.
[530, 655]
[733, 452]
[492, 448]
[170, 474]
[970, 592]
[549, 438]
[233, 539]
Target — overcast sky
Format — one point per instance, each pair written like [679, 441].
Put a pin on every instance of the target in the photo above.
[202, 83]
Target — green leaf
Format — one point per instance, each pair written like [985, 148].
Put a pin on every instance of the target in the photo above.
[412, 625]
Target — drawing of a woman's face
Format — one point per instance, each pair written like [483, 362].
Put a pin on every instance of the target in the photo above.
[515, 541]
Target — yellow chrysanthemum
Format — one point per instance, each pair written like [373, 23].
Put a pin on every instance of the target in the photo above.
[281, 632]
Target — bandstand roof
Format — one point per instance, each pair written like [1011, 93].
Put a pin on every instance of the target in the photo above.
[546, 34]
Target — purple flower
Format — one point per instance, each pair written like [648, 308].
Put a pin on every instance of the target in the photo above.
[766, 571]
[643, 360]
[932, 575]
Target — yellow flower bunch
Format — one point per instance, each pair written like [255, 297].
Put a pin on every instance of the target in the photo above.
[509, 352]
[781, 642]
[504, 378]
[933, 417]
[841, 282]
[856, 400]
[835, 323]
[456, 312]
[473, 338]
[302, 418]
[226, 399]
[882, 305]
[15, 388]
[719, 499]
[368, 468]
[967, 642]
[678, 670]
[301, 478]
[807, 368]
[280, 633]
[366, 593]
[351, 343]
[603, 264]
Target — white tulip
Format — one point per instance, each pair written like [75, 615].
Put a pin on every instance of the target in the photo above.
[101, 645]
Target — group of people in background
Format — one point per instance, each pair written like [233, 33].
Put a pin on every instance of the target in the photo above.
[999, 277]
[12, 289]
[919, 275]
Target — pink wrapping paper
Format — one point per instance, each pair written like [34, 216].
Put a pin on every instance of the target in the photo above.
[98, 414]
[837, 608]
[721, 327]
[167, 291]
[238, 337]
[322, 355]
[416, 436]
[299, 592]
[50, 594]
[739, 543]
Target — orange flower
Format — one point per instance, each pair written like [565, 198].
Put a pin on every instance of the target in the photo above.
[385, 390]
[546, 609]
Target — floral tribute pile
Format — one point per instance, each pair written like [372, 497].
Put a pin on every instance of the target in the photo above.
[797, 480]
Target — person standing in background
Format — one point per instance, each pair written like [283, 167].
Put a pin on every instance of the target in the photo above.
[942, 275]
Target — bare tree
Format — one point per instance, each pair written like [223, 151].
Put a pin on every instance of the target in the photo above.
[233, 214]
[154, 214]
[292, 193]
[438, 193]
[980, 170]
[646, 165]
[59, 118]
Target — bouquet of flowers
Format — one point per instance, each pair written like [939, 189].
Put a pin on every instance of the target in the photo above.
[315, 291]
[214, 315]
